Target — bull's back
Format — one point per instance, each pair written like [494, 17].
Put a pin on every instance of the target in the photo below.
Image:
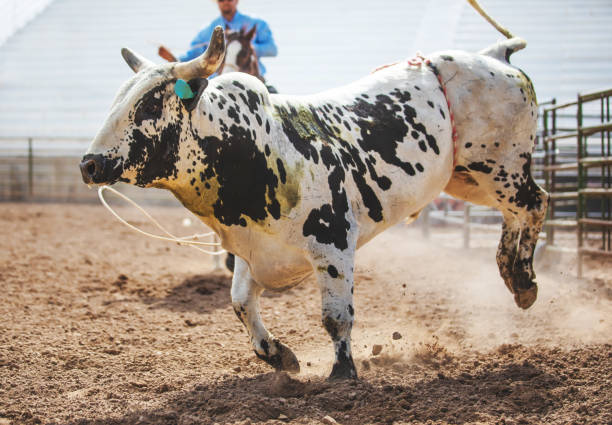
[384, 142]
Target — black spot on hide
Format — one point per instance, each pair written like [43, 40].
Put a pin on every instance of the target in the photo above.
[333, 272]
[247, 185]
[480, 167]
[154, 157]
[527, 192]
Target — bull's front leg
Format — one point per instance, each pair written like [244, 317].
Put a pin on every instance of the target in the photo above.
[335, 277]
[245, 300]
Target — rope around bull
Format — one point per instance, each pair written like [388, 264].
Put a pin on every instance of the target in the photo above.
[186, 240]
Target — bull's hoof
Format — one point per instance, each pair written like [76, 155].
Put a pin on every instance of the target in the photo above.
[524, 298]
[343, 370]
[283, 358]
[525, 289]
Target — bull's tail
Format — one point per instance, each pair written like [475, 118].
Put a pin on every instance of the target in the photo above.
[504, 49]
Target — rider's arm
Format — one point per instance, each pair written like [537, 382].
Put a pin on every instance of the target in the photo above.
[264, 44]
[198, 44]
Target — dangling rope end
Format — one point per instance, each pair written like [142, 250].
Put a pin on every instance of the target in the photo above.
[171, 238]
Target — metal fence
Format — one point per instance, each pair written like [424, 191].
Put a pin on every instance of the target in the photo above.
[47, 170]
[576, 168]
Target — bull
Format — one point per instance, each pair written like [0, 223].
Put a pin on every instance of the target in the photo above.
[294, 185]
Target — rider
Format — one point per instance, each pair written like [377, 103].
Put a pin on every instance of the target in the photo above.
[230, 18]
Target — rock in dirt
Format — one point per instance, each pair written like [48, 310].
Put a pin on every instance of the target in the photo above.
[397, 335]
[376, 349]
[328, 420]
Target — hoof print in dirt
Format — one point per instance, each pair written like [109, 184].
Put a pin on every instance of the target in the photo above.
[282, 360]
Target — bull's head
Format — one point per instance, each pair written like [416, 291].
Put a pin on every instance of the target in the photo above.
[139, 141]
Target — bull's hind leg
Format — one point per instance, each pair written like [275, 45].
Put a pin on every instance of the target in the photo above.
[532, 202]
[245, 300]
[508, 186]
[507, 248]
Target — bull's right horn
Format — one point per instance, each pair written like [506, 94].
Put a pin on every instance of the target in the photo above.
[207, 63]
[134, 60]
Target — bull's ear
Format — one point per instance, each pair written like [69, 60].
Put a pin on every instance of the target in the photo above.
[190, 91]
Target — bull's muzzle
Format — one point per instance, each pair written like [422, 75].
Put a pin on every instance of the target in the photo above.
[92, 168]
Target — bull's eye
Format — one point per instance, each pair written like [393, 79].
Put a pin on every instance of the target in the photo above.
[149, 107]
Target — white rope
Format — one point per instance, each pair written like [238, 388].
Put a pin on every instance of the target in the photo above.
[181, 241]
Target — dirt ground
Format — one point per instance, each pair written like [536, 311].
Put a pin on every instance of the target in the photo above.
[100, 325]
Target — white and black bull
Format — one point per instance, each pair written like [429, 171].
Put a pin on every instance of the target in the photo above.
[294, 185]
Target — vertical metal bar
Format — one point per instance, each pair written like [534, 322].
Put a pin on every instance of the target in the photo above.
[579, 184]
[545, 148]
[547, 182]
[425, 219]
[603, 200]
[609, 184]
[553, 161]
[30, 168]
[466, 225]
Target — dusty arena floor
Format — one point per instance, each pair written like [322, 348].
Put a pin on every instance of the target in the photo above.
[100, 325]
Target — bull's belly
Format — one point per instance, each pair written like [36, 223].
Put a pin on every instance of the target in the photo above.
[280, 274]
[275, 265]
[279, 266]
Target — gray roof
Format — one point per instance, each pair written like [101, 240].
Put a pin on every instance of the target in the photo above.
[59, 74]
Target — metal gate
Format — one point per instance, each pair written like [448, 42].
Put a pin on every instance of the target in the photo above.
[577, 161]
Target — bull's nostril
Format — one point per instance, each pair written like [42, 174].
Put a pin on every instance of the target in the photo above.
[91, 168]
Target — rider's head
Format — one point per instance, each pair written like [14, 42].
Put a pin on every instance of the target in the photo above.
[228, 8]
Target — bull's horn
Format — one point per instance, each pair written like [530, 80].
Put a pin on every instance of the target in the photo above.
[134, 60]
[207, 63]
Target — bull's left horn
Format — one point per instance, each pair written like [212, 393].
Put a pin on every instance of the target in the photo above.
[208, 62]
[134, 60]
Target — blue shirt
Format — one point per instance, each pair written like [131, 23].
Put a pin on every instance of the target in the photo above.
[263, 43]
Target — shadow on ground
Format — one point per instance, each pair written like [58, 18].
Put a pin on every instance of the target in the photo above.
[501, 390]
[197, 293]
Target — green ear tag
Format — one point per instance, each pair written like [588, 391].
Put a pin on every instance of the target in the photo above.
[182, 90]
